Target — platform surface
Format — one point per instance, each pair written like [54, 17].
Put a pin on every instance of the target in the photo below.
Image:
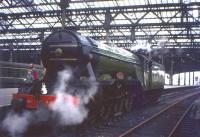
[175, 86]
[6, 96]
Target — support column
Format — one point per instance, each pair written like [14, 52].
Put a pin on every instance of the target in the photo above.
[179, 79]
[11, 53]
[41, 36]
[171, 71]
[184, 78]
[63, 18]
[107, 36]
[11, 56]
[108, 19]
[133, 34]
[189, 79]
[193, 78]
[150, 71]
[63, 5]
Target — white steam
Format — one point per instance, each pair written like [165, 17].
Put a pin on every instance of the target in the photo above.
[146, 46]
[142, 45]
[70, 104]
[68, 112]
[69, 107]
[16, 124]
[62, 80]
[162, 42]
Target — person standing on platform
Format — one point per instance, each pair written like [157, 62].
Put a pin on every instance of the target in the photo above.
[34, 72]
[29, 76]
[36, 84]
[28, 82]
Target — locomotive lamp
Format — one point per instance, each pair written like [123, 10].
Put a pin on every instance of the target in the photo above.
[44, 89]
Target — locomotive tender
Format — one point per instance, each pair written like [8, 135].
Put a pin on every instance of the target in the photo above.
[125, 79]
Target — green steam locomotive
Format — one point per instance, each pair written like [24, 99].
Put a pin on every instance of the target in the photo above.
[124, 78]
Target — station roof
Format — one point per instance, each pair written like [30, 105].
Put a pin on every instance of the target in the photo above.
[172, 25]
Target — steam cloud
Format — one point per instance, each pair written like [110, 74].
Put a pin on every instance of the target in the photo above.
[16, 124]
[142, 45]
[146, 46]
[71, 105]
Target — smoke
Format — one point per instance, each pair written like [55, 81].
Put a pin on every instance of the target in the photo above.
[142, 45]
[89, 94]
[62, 80]
[42, 114]
[69, 108]
[161, 45]
[146, 46]
[69, 112]
[179, 51]
[162, 42]
[16, 124]
[159, 50]
[71, 99]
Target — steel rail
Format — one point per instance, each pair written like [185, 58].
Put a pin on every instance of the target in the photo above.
[175, 94]
[180, 120]
[128, 132]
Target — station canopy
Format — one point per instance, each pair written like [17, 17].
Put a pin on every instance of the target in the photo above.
[132, 24]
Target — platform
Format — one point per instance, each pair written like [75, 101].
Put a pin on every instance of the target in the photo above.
[175, 86]
[6, 96]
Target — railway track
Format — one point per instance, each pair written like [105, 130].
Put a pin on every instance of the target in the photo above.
[189, 124]
[165, 122]
[115, 126]
[179, 93]
[172, 90]
[173, 131]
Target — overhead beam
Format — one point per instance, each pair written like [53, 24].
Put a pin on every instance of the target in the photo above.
[117, 26]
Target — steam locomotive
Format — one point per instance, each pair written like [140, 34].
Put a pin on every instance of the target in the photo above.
[124, 79]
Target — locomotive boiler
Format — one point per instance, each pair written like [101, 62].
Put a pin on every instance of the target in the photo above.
[124, 79]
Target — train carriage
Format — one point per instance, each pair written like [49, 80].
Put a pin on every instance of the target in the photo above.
[13, 79]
